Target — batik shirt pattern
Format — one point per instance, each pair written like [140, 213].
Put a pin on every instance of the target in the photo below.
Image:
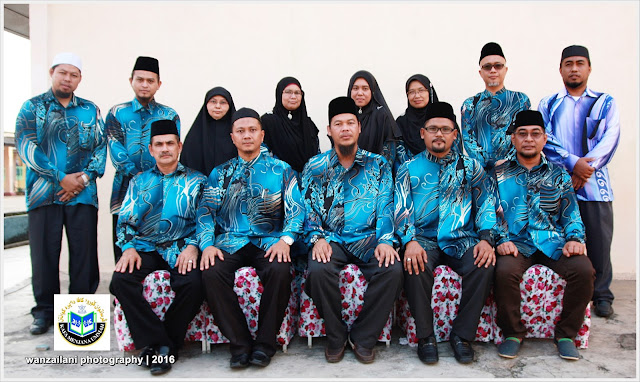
[485, 119]
[352, 207]
[446, 203]
[54, 141]
[589, 127]
[159, 212]
[129, 130]
[538, 209]
[256, 201]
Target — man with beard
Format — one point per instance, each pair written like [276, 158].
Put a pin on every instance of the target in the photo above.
[583, 127]
[348, 197]
[540, 224]
[60, 138]
[445, 214]
[128, 130]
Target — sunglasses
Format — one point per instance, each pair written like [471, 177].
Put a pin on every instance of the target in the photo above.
[497, 65]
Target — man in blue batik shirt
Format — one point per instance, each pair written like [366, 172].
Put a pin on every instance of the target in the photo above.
[487, 115]
[157, 231]
[348, 197]
[583, 127]
[60, 138]
[251, 214]
[128, 127]
[540, 224]
[445, 214]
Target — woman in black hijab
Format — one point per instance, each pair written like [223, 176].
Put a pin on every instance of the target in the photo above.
[289, 133]
[208, 143]
[379, 130]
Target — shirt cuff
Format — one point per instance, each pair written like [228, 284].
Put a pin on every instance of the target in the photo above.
[570, 162]
[486, 234]
[574, 238]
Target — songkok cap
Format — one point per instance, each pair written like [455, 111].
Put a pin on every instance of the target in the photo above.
[164, 126]
[575, 50]
[245, 112]
[491, 49]
[342, 105]
[149, 64]
[440, 110]
[526, 118]
[67, 58]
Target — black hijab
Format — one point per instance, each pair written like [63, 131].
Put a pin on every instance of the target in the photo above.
[378, 125]
[208, 143]
[292, 140]
[413, 119]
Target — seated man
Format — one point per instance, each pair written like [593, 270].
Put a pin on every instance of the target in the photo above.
[540, 221]
[445, 214]
[157, 230]
[251, 214]
[349, 205]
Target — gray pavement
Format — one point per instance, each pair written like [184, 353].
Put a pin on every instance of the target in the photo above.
[611, 354]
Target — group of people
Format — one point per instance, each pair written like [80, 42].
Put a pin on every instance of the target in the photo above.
[395, 197]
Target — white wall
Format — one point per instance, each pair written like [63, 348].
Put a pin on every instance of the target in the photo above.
[248, 46]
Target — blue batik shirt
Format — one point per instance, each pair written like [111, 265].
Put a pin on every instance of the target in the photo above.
[54, 141]
[352, 207]
[588, 127]
[538, 209]
[256, 201]
[128, 129]
[159, 212]
[446, 203]
[485, 119]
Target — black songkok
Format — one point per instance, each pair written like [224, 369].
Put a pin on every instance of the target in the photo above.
[440, 110]
[575, 50]
[342, 105]
[526, 118]
[491, 49]
[149, 64]
[164, 126]
[245, 112]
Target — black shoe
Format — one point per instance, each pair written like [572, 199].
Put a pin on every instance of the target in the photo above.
[40, 326]
[146, 354]
[259, 358]
[604, 308]
[428, 350]
[239, 361]
[163, 359]
[462, 349]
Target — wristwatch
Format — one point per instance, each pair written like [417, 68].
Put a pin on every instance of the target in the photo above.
[315, 238]
[85, 178]
[287, 239]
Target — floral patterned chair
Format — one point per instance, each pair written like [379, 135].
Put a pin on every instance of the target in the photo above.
[157, 291]
[352, 287]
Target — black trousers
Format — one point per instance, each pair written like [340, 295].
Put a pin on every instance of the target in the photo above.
[45, 241]
[218, 283]
[384, 286]
[577, 272]
[598, 222]
[117, 252]
[146, 328]
[476, 286]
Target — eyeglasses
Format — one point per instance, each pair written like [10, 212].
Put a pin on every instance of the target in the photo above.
[289, 92]
[443, 129]
[523, 134]
[497, 65]
[413, 92]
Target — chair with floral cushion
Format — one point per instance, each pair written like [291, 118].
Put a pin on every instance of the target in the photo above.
[352, 287]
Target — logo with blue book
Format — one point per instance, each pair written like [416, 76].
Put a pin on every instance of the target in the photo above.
[82, 322]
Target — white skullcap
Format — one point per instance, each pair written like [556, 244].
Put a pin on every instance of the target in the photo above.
[67, 58]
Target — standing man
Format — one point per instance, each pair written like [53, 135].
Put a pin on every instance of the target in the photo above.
[251, 215]
[486, 116]
[540, 224]
[60, 138]
[128, 129]
[583, 127]
[348, 197]
[445, 214]
[157, 230]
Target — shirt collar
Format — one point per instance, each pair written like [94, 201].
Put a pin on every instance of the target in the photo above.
[450, 157]
[513, 159]
[180, 169]
[242, 162]
[587, 92]
[487, 93]
[359, 159]
[137, 105]
[75, 101]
